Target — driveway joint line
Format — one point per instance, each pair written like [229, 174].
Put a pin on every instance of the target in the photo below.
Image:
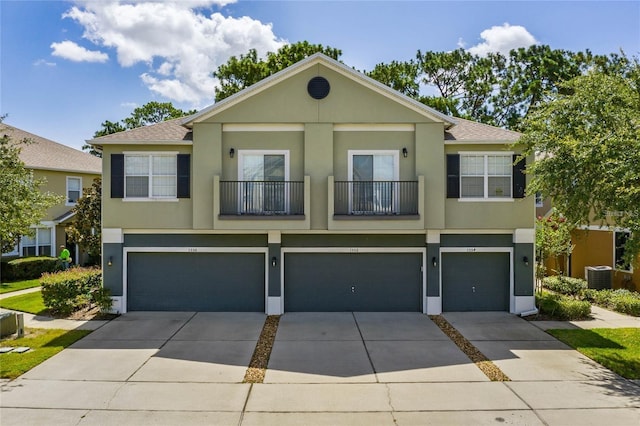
[160, 347]
[366, 350]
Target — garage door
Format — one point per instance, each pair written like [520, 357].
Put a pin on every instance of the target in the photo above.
[195, 282]
[325, 282]
[475, 282]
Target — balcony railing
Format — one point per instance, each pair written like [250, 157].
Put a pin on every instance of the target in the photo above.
[259, 198]
[376, 198]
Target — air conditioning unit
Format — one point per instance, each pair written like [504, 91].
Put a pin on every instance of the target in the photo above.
[598, 277]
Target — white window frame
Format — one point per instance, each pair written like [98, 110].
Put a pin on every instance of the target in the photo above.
[245, 152]
[380, 152]
[150, 155]
[67, 202]
[486, 155]
[615, 264]
[37, 242]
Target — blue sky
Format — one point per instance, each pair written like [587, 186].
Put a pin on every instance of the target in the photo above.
[68, 66]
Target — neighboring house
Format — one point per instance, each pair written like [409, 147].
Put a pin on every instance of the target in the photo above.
[317, 189]
[599, 244]
[67, 171]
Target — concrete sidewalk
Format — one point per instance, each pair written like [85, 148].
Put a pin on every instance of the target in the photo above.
[19, 292]
[325, 368]
[600, 318]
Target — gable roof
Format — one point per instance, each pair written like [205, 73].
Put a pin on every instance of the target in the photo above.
[45, 154]
[167, 131]
[319, 58]
[472, 131]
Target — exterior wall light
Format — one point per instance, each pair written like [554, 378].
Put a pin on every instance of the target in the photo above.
[434, 262]
[405, 152]
[110, 262]
[232, 152]
[525, 259]
[274, 261]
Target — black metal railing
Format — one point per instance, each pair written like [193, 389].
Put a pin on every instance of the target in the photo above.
[259, 198]
[376, 198]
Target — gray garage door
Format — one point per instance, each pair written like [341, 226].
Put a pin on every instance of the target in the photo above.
[195, 282]
[475, 282]
[325, 282]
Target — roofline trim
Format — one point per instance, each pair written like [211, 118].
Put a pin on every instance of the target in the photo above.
[95, 142]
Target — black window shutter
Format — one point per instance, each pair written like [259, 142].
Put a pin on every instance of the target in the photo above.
[117, 175]
[184, 175]
[519, 178]
[453, 176]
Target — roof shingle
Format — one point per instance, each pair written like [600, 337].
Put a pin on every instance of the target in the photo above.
[466, 130]
[170, 130]
[45, 154]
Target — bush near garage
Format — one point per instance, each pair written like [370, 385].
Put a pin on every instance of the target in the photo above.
[621, 300]
[562, 307]
[77, 288]
[28, 268]
[565, 285]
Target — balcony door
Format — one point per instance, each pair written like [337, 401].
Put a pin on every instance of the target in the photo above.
[263, 176]
[374, 178]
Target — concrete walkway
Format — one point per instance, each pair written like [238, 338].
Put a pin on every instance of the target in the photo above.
[600, 318]
[325, 368]
[19, 292]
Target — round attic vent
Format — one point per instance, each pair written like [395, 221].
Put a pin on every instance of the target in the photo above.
[318, 87]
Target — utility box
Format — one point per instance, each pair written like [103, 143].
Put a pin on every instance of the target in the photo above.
[8, 324]
[598, 277]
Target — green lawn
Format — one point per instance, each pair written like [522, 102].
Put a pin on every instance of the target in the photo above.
[30, 302]
[618, 349]
[43, 343]
[18, 285]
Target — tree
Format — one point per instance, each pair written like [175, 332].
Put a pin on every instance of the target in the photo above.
[587, 140]
[22, 203]
[149, 113]
[553, 241]
[86, 227]
[241, 72]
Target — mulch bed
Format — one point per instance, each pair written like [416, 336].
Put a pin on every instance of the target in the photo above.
[260, 359]
[482, 362]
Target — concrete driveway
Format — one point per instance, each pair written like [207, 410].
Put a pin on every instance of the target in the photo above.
[325, 368]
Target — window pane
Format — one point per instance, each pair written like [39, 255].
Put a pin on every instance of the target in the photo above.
[73, 184]
[499, 165]
[44, 236]
[136, 165]
[274, 168]
[164, 186]
[383, 167]
[137, 186]
[472, 165]
[28, 241]
[363, 167]
[620, 240]
[499, 187]
[253, 167]
[164, 165]
[44, 250]
[472, 186]
[29, 251]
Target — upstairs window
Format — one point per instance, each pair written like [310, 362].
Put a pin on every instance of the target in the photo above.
[74, 190]
[150, 176]
[485, 176]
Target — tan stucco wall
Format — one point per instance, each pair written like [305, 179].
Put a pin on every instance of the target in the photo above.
[56, 182]
[347, 102]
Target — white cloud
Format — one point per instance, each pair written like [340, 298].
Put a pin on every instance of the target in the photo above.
[131, 105]
[44, 62]
[73, 52]
[180, 44]
[502, 39]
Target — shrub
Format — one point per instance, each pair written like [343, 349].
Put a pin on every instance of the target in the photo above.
[29, 268]
[565, 285]
[562, 307]
[621, 300]
[68, 291]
